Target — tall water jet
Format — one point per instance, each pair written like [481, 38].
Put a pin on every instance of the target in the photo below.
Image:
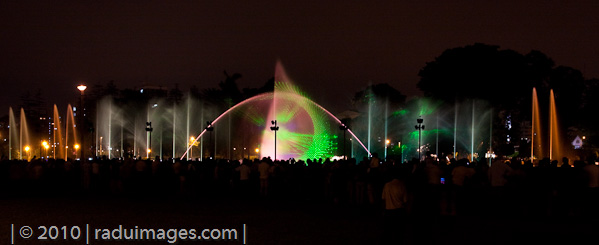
[536, 127]
[56, 127]
[370, 100]
[110, 129]
[24, 135]
[554, 138]
[491, 154]
[455, 130]
[175, 128]
[11, 127]
[472, 134]
[70, 124]
[386, 121]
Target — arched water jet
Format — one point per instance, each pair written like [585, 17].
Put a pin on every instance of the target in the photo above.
[271, 95]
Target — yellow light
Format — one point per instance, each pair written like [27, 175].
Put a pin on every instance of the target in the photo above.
[257, 150]
[388, 142]
[76, 146]
[46, 146]
[81, 87]
[45, 143]
[192, 139]
[149, 150]
[27, 148]
[584, 137]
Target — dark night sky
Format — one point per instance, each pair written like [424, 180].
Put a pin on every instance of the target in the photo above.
[330, 49]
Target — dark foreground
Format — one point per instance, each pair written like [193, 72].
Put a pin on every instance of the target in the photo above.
[279, 221]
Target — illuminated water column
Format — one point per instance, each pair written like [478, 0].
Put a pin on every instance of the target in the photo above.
[455, 131]
[386, 118]
[110, 128]
[554, 140]
[72, 126]
[202, 139]
[187, 136]
[369, 119]
[490, 135]
[23, 135]
[11, 125]
[472, 135]
[57, 127]
[536, 126]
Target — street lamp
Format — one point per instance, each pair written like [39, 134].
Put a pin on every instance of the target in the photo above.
[82, 120]
[420, 127]
[344, 128]
[149, 129]
[275, 128]
[210, 128]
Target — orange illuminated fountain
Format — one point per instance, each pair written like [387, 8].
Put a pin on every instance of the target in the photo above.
[70, 125]
[57, 135]
[555, 151]
[535, 137]
[23, 136]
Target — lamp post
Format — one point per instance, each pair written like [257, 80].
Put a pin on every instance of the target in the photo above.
[210, 128]
[275, 128]
[420, 127]
[344, 128]
[82, 120]
[149, 129]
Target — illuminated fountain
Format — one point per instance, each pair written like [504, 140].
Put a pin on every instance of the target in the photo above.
[555, 151]
[57, 140]
[535, 138]
[70, 125]
[541, 147]
[23, 136]
[20, 135]
[462, 128]
[306, 129]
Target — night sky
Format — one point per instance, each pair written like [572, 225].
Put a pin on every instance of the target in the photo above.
[330, 49]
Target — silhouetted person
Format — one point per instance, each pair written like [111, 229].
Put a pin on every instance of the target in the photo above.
[244, 178]
[498, 173]
[395, 197]
[264, 170]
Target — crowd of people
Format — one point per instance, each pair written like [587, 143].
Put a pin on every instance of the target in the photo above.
[429, 187]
